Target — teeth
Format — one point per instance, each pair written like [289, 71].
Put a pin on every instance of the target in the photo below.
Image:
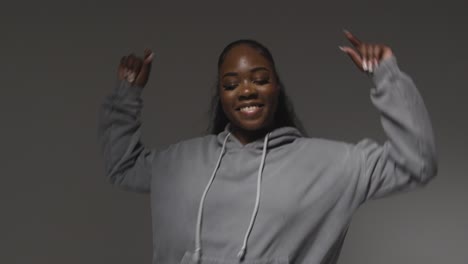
[249, 108]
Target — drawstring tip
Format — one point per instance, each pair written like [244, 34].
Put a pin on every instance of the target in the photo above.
[241, 254]
[196, 256]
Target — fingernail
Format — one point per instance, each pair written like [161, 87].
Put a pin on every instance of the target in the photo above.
[341, 48]
[364, 65]
[345, 31]
[131, 77]
[371, 66]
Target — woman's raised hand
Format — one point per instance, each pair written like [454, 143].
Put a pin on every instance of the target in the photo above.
[134, 69]
[367, 56]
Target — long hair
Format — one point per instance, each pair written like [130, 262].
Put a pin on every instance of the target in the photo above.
[284, 116]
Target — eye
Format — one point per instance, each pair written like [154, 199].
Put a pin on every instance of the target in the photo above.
[261, 82]
[229, 86]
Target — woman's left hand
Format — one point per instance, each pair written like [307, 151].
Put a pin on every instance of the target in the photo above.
[367, 56]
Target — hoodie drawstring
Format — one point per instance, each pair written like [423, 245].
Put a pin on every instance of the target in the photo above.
[197, 253]
[241, 254]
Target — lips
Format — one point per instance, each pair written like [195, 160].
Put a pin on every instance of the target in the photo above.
[249, 106]
[250, 111]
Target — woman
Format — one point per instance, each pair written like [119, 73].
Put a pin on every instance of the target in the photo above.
[256, 190]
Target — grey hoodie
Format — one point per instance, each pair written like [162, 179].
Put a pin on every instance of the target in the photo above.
[281, 199]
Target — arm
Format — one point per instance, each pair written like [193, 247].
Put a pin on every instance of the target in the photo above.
[127, 161]
[407, 159]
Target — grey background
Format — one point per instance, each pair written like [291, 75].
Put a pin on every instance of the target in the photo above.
[58, 62]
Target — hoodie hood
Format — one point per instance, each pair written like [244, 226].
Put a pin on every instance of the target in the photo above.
[277, 137]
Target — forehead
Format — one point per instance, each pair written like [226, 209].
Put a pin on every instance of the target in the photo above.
[243, 57]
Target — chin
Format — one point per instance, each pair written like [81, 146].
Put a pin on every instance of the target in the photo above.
[253, 126]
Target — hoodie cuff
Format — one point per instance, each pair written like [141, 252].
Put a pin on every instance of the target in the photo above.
[386, 69]
[124, 89]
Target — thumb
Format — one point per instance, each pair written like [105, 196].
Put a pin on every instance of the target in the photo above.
[147, 60]
[355, 57]
[148, 56]
[145, 70]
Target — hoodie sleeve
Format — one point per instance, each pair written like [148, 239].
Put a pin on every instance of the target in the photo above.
[407, 159]
[127, 161]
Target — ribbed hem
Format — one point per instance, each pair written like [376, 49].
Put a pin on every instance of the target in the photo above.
[124, 89]
[386, 69]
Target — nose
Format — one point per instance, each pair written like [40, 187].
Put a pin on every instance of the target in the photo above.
[247, 91]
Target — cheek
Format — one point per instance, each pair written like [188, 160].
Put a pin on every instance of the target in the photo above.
[224, 100]
[273, 96]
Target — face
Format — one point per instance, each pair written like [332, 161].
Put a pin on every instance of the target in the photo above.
[248, 90]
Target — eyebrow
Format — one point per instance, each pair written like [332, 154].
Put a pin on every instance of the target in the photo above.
[252, 71]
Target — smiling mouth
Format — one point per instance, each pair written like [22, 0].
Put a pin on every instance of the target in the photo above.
[250, 109]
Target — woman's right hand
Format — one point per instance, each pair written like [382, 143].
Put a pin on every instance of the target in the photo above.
[134, 69]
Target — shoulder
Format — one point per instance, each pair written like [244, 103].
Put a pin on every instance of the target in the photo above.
[331, 145]
[321, 150]
[193, 144]
[323, 144]
[186, 150]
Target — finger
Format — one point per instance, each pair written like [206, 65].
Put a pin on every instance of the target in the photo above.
[377, 54]
[131, 77]
[386, 52]
[364, 51]
[353, 39]
[134, 71]
[148, 59]
[145, 70]
[137, 65]
[131, 74]
[370, 57]
[130, 60]
[354, 55]
[148, 56]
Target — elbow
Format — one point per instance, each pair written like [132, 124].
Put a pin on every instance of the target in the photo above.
[116, 178]
[112, 179]
[428, 170]
[426, 162]
[128, 181]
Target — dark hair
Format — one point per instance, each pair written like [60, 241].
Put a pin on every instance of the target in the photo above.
[284, 115]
